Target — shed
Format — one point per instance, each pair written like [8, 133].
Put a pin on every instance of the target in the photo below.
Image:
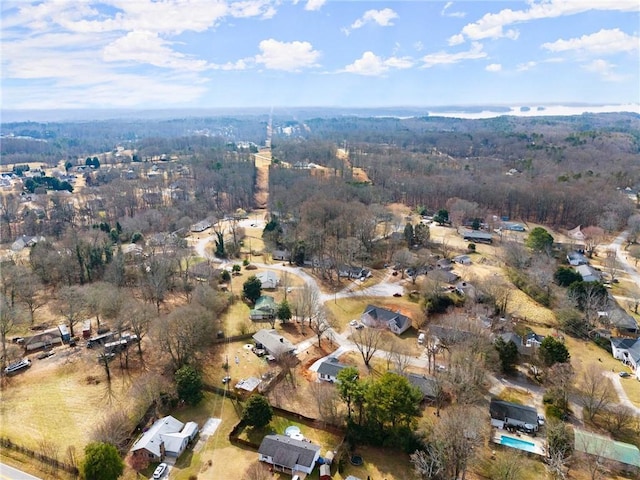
[325, 472]
[86, 329]
[64, 333]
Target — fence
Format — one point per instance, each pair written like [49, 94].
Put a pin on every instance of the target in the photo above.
[46, 460]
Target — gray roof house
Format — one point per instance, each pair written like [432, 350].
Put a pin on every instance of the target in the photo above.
[576, 259]
[268, 279]
[24, 241]
[329, 369]
[264, 308]
[507, 414]
[427, 385]
[628, 351]
[273, 343]
[377, 317]
[523, 349]
[477, 236]
[166, 437]
[288, 455]
[588, 274]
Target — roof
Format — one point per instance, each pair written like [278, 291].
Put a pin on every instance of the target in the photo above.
[190, 429]
[151, 439]
[449, 335]
[477, 235]
[174, 442]
[289, 452]
[273, 342]
[331, 367]
[426, 385]
[379, 314]
[624, 343]
[248, 384]
[511, 337]
[267, 277]
[588, 273]
[442, 275]
[265, 301]
[500, 410]
[623, 321]
[602, 446]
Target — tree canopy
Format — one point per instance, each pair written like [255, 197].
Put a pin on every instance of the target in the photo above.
[189, 384]
[565, 276]
[539, 240]
[553, 351]
[257, 411]
[252, 289]
[102, 462]
[508, 353]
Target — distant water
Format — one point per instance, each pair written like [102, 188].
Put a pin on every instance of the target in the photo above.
[535, 111]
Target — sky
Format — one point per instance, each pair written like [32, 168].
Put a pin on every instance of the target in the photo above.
[163, 54]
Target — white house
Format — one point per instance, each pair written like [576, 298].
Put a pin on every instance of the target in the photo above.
[166, 437]
[589, 274]
[288, 455]
[268, 279]
[329, 369]
[628, 351]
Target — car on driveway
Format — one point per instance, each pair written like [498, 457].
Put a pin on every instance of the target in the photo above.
[226, 379]
[159, 471]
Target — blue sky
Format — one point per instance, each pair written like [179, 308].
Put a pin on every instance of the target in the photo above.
[60, 54]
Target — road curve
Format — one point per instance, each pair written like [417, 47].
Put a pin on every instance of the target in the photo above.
[10, 473]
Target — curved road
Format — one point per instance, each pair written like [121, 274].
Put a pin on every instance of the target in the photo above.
[626, 265]
[10, 473]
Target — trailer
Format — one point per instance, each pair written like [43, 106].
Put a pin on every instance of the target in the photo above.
[99, 339]
[64, 333]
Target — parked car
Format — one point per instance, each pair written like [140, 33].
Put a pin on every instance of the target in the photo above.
[226, 379]
[540, 420]
[353, 323]
[625, 374]
[159, 471]
[45, 354]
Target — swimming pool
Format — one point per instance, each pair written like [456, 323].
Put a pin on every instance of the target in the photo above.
[519, 444]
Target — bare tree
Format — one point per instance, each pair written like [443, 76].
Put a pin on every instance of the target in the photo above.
[595, 391]
[320, 323]
[140, 317]
[115, 428]
[72, 306]
[8, 320]
[327, 401]
[257, 471]
[515, 254]
[507, 466]
[427, 463]
[593, 236]
[367, 342]
[30, 292]
[619, 418]
[287, 362]
[560, 379]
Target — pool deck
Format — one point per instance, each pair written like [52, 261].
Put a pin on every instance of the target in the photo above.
[538, 442]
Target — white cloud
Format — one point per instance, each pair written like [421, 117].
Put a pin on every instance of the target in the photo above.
[456, 39]
[445, 13]
[252, 8]
[419, 46]
[314, 5]
[492, 25]
[444, 58]
[493, 67]
[372, 65]
[523, 67]
[148, 47]
[599, 43]
[383, 18]
[604, 69]
[288, 56]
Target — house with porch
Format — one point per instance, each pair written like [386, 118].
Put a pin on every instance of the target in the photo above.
[166, 437]
[264, 308]
[288, 455]
[627, 350]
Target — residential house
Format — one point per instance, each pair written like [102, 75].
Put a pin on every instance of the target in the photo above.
[428, 386]
[508, 415]
[444, 276]
[624, 454]
[328, 370]
[577, 234]
[513, 227]
[533, 340]
[268, 279]
[623, 322]
[166, 437]
[200, 226]
[477, 236]
[517, 339]
[288, 455]
[273, 343]
[628, 351]
[462, 259]
[347, 271]
[24, 241]
[45, 339]
[264, 308]
[444, 264]
[377, 317]
[447, 336]
[281, 255]
[588, 273]
[576, 259]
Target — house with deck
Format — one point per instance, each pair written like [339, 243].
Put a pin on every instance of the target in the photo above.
[288, 455]
[166, 437]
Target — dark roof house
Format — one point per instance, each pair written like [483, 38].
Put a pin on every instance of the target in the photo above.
[329, 369]
[288, 455]
[378, 317]
[507, 414]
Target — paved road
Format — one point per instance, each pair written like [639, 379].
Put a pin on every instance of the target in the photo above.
[10, 473]
[622, 394]
[622, 258]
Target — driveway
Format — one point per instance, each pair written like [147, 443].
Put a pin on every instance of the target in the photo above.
[622, 395]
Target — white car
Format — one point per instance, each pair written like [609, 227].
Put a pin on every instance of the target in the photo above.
[353, 323]
[159, 471]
